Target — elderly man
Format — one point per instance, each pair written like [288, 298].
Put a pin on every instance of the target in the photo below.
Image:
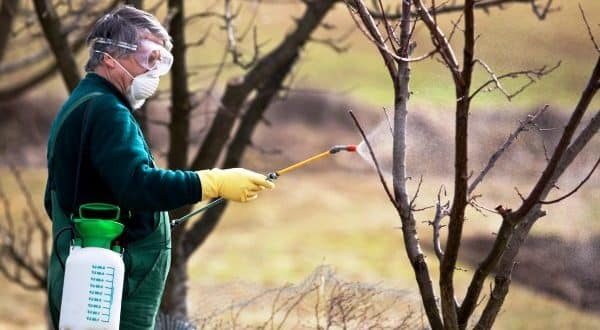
[96, 153]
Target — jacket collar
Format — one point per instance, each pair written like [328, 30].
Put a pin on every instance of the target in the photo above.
[106, 86]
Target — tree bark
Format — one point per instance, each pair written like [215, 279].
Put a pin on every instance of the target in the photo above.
[57, 40]
[175, 297]
[8, 11]
[461, 176]
[139, 4]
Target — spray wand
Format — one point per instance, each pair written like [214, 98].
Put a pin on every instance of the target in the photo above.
[271, 176]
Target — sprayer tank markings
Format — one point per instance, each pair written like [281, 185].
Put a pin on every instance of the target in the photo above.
[100, 294]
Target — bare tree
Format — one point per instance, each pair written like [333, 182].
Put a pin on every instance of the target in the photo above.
[396, 53]
[24, 240]
[64, 33]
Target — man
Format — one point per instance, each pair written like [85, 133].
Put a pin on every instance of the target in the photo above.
[96, 153]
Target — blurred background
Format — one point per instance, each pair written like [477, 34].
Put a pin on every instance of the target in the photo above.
[331, 217]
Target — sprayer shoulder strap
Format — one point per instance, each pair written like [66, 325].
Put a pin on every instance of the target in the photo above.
[52, 144]
[64, 116]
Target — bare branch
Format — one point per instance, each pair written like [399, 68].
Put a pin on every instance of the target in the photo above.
[523, 126]
[484, 5]
[587, 24]
[204, 14]
[331, 43]
[484, 269]
[439, 40]
[372, 153]
[15, 243]
[211, 87]
[576, 188]
[441, 211]
[23, 86]
[588, 93]
[374, 35]
[11, 67]
[532, 75]
[388, 27]
[455, 26]
[542, 12]
[413, 200]
[8, 13]
[232, 39]
[200, 40]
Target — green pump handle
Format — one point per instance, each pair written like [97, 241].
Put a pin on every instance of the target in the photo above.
[99, 211]
[98, 225]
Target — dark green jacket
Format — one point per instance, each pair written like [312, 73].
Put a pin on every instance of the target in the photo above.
[116, 166]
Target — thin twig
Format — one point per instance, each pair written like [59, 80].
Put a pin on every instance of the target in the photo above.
[532, 75]
[412, 201]
[545, 11]
[588, 28]
[494, 158]
[576, 188]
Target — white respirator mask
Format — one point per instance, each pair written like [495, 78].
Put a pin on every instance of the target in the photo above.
[154, 58]
[141, 88]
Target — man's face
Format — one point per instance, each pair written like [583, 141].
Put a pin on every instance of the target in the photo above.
[130, 63]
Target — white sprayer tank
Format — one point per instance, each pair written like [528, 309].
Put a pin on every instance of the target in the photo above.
[92, 290]
[94, 272]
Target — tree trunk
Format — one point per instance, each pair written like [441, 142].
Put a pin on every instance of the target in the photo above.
[8, 11]
[409, 229]
[175, 297]
[57, 40]
[139, 4]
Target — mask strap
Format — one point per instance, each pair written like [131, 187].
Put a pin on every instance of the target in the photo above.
[120, 65]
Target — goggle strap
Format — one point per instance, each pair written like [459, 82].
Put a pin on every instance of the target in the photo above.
[116, 43]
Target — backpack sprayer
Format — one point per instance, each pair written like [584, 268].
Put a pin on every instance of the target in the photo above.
[94, 271]
[272, 177]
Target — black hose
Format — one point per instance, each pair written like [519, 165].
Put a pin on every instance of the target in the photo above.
[54, 247]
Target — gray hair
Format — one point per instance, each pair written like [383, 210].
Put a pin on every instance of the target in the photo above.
[127, 25]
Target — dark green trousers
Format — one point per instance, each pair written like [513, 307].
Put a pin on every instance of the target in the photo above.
[147, 263]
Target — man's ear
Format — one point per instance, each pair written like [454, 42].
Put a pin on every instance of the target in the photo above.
[108, 61]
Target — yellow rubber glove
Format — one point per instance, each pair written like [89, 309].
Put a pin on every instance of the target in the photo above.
[236, 184]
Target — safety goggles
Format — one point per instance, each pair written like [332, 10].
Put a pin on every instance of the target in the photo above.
[153, 57]
[149, 54]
